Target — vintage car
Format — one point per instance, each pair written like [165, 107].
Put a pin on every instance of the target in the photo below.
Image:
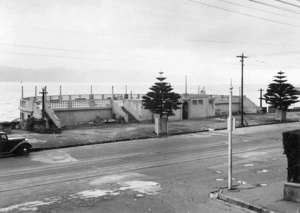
[18, 145]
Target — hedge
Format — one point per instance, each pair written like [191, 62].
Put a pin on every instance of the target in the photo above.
[291, 146]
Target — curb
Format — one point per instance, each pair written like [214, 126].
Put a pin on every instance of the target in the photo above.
[244, 204]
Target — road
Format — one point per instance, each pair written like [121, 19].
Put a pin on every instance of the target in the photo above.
[168, 174]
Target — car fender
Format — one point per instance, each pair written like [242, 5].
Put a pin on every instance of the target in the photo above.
[21, 144]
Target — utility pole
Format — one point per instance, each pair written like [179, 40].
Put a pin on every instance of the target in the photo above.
[260, 105]
[230, 128]
[242, 88]
[44, 92]
[186, 85]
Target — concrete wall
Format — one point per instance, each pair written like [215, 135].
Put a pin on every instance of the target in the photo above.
[201, 108]
[249, 106]
[73, 117]
[135, 107]
[224, 107]
[177, 116]
[222, 104]
[206, 109]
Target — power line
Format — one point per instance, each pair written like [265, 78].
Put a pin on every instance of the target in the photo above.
[103, 59]
[72, 57]
[245, 14]
[253, 8]
[273, 6]
[284, 2]
[93, 52]
[78, 51]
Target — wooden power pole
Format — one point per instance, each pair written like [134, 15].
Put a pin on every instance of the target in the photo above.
[260, 104]
[242, 88]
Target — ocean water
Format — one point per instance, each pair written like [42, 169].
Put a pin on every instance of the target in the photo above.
[10, 92]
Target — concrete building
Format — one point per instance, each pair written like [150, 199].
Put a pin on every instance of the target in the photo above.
[66, 110]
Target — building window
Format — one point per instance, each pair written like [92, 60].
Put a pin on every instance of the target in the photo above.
[210, 102]
[200, 102]
[194, 102]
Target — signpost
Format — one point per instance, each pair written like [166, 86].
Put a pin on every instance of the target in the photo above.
[230, 127]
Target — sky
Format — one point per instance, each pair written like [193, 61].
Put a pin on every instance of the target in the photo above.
[133, 40]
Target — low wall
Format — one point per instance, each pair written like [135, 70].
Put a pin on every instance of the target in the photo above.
[78, 116]
[291, 192]
[224, 107]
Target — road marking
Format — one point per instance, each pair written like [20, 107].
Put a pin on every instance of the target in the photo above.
[56, 157]
[262, 171]
[31, 206]
[95, 193]
[115, 178]
[251, 154]
[143, 187]
[247, 165]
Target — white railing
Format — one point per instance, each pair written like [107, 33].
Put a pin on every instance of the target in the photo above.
[79, 103]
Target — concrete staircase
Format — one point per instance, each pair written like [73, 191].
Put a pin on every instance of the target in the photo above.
[249, 106]
[131, 118]
[50, 114]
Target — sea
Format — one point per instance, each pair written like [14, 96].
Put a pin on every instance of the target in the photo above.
[11, 92]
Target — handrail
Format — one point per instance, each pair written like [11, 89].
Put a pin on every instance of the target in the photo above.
[118, 111]
[52, 116]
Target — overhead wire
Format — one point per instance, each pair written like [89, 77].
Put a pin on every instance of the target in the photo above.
[85, 58]
[253, 8]
[274, 6]
[75, 51]
[245, 14]
[113, 60]
[291, 4]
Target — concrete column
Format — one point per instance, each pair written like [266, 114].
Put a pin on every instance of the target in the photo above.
[22, 94]
[35, 92]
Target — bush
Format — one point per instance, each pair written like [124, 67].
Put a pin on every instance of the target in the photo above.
[39, 126]
[30, 124]
[6, 126]
[291, 146]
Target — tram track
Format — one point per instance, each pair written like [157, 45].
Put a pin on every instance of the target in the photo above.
[8, 183]
[99, 160]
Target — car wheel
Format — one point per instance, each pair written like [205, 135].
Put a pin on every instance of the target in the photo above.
[24, 150]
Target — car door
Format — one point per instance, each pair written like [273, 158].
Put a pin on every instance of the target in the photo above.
[4, 146]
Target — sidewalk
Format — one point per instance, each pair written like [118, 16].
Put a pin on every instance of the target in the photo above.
[264, 199]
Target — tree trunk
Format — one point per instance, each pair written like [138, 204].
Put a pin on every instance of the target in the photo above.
[280, 115]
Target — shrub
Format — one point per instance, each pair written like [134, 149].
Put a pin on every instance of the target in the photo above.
[6, 126]
[30, 124]
[291, 146]
[39, 126]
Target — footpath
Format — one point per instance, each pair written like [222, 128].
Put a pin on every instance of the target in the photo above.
[259, 199]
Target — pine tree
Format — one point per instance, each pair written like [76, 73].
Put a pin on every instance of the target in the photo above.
[280, 94]
[161, 100]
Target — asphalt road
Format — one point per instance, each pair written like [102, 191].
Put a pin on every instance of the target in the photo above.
[170, 174]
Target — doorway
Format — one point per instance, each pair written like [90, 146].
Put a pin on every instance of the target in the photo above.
[185, 110]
